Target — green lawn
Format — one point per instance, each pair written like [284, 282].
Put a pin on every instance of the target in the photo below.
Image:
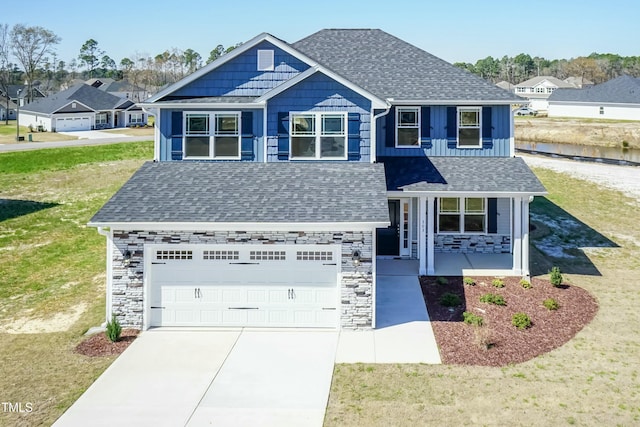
[53, 270]
[53, 274]
[8, 134]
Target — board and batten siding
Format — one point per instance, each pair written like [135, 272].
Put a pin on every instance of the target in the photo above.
[435, 141]
[319, 93]
[171, 134]
[240, 76]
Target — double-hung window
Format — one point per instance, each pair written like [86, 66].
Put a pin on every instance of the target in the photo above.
[101, 119]
[408, 127]
[469, 127]
[212, 135]
[318, 136]
[462, 215]
[136, 118]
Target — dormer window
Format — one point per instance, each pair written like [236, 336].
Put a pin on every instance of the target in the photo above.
[265, 60]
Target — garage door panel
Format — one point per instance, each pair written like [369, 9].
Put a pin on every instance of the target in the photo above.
[280, 287]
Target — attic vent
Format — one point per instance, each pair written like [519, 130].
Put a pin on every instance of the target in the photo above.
[265, 60]
[73, 105]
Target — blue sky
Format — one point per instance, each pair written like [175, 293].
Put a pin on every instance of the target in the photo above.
[455, 30]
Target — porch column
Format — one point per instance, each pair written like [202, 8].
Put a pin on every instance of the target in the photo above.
[431, 265]
[517, 235]
[525, 237]
[422, 235]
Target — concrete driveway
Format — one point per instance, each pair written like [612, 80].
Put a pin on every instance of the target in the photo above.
[205, 377]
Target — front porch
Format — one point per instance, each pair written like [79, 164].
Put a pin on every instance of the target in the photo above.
[451, 264]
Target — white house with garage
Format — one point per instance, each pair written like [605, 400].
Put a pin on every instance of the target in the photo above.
[283, 172]
[81, 107]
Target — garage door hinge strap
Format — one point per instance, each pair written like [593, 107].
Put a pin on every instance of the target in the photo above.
[245, 263]
[158, 263]
[244, 308]
[158, 307]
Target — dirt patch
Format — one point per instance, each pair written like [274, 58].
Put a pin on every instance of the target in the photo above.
[464, 344]
[99, 345]
[59, 322]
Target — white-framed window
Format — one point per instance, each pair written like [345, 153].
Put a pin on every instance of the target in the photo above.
[521, 89]
[550, 89]
[136, 118]
[457, 215]
[101, 119]
[265, 60]
[408, 127]
[602, 110]
[211, 135]
[469, 127]
[539, 90]
[318, 135]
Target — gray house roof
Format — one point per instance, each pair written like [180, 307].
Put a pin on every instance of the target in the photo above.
[85, 94]
[243, 192]
[539, 79]
[461, 174]
[389, 67]
[623, 90]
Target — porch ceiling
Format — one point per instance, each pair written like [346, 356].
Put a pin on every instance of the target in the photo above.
[461, 174]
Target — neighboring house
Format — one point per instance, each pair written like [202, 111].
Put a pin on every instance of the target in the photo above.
[538, 89]
[81, 107]
[3, 109]
[579, 82]
[283, 171]
[618, 98]
[18, 93]
[506, 86]
[119, 88]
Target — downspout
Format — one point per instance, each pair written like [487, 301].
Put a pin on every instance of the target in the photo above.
[265, 135]
[374, 131]
[156, 131]
[109, 236]
[512, 139]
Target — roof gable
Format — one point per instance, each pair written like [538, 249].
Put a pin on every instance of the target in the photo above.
[393, 69]
[546, 81]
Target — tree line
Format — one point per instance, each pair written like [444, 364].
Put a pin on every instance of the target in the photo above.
[597, 67]
[28, 56]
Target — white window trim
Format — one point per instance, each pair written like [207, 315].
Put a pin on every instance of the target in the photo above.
[136, 115]
[462, 209]
[211, 135]
[418, 110]
[99, 120]
[479, 127]
[318, 134]
[269, 56]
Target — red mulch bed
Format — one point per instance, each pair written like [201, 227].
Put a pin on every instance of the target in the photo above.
[99, 345]
[459, 342]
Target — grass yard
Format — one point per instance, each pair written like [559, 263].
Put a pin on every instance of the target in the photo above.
[593, 380]
[8, 134]
[53, 271]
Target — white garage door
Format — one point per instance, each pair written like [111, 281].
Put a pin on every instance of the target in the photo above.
[73, 123]
[244, 285]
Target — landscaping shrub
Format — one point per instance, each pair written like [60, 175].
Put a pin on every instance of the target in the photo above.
[493, 299]
[551, 304]
[442, 281]
[525, 283]
[498, 283]
[450, 300]
[472, 319]
[521, 321]
[556, 277]
[113, 329]
[469, 281]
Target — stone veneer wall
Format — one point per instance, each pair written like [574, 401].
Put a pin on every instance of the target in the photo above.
[473, 243]
[356, 287]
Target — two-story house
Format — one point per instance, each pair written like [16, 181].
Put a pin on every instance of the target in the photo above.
[537, 90]
[283, 171]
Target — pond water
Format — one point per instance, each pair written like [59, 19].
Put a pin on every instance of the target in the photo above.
[571, 150]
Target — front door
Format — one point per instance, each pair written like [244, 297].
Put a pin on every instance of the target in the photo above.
[388, 239]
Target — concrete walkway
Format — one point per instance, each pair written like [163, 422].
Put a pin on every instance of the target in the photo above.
[403, 331]
[204, 377]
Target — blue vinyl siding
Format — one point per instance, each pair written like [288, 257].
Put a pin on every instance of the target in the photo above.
[252, 141]
[320, 93]
[439, 145]
[240, 76]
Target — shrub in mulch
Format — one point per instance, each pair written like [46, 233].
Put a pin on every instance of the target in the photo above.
[99, 345]
[550, 329]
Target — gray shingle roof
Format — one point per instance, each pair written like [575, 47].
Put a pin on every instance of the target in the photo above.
[461, 174]
[539, 79]
[624, 89]
[392, 68]
[231, 192]
[87, 95]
